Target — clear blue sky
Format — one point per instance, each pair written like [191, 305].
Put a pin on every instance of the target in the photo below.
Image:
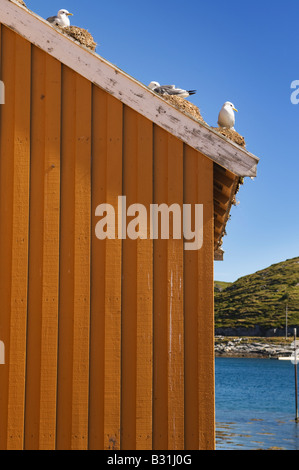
[244, 52]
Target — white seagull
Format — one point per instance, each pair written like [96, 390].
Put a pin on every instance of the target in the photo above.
[226, 116]
[170, 90]
[62, 18]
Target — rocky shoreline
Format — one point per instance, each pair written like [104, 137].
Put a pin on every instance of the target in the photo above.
[252, 347]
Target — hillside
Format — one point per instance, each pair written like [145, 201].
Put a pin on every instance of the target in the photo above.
[259, 299]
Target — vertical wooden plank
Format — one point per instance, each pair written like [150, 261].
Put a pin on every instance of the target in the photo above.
[98, 261]
[176, 302]
[137, 289]
[74, 306]
[168, 301]
[199, 313]
[43, 287]
[14, 214]
[144, 293]
[105, 361]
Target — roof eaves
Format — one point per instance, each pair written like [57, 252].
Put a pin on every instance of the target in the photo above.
[116, 82]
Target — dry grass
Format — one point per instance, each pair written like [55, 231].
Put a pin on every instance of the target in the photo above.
[82, 36]
[185, 106]
[232, 135]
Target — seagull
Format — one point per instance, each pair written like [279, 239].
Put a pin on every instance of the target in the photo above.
[226, 116]
[62, 18]
[170, 90]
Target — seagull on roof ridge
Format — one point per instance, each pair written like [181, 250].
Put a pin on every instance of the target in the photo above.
[226, 116]
[62, 18]
[170, 90]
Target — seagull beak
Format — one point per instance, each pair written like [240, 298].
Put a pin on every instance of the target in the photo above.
[69, 14]
[235, 109]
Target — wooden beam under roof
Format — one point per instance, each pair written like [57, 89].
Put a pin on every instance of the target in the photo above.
[225, 188]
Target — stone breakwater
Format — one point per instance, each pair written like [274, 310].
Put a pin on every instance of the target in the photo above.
[240, 347]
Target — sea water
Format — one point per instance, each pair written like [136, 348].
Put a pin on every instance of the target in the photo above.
[255, 404]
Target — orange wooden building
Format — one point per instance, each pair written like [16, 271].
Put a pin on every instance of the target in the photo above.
[109, 344]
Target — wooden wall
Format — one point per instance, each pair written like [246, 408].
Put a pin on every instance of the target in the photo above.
[109, 343]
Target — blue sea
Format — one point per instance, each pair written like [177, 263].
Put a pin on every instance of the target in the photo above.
[255, 404]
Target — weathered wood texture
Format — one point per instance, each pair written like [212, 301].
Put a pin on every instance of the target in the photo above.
[14, 233]
[109, 343]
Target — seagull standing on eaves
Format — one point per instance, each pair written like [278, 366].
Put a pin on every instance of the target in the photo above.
[226, 116]
[62, 19]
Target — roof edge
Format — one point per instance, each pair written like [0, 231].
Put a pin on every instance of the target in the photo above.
[127, 89]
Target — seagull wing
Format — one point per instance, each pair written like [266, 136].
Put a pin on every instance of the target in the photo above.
[177, 91]
[52, 19]
[169, 90]
[173, 91]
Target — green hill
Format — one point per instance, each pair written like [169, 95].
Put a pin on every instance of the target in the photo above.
[260, 299]
[219, 286]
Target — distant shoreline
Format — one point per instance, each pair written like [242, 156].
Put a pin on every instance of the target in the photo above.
[252, 347]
